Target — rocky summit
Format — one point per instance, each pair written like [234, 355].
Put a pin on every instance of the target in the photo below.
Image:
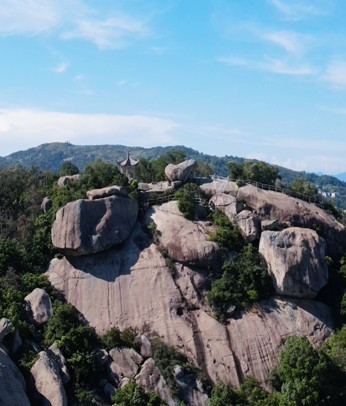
[116, 274]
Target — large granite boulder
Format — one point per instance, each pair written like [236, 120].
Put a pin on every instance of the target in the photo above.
[220, 186]
[295, 212]
[227, 203]
[106, 192]
[249, 225]
[48, 381]
[130, 282]
[65, 180]
[180, 172]
[39, 306]
[296, 261]
[12, 384]
[183, 240]
[151, 380]
[124, 362]
[85, 226]
[46, 204]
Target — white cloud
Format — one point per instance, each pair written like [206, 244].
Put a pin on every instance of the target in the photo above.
[71, 19]
[25, 128]
[111, 33]
[299, 9]
[61, 68]
[292, 42]
[282, 67]
[336, 74]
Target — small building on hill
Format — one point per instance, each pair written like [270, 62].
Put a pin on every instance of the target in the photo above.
[128, 166]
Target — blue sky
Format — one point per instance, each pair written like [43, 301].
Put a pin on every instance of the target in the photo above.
[261, 79]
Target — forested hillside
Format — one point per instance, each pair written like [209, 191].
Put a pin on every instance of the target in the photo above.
[51, 156]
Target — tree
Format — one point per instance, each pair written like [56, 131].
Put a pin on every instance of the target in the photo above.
[244, 280]
[68, 168]
[255, 171]
[302, 374]
[100, 174]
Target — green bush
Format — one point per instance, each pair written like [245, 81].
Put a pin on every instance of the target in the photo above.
[244, 280]
[116, 338]
[133, 395]
[227, 235]
[187, 199]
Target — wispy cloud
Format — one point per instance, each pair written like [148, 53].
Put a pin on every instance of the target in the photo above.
[71, 19]
[291, 42]
[28, 128]
[336, 74]
[278, 66]
[61, 68]
[299, 9]
[111, 33]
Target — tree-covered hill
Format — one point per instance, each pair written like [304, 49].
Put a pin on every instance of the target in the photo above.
[50, 156]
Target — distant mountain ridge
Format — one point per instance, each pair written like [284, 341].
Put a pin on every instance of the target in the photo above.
[50, 156]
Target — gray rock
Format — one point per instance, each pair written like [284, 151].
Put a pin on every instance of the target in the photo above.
[85, 226]
[106, 192]
[157, 187]
[296, 261]
[146, 347]
[46, 204]
[109, 391]
[273, 225]
[55, 353]
[249, 224]
[151, 380]
[189, 389]
[5, 327]
[180, 172]
[65, 180]
[17, 342]
[185, 241]
[227, 203]
[220, 187]
[12, 384]
[48, 381]
[125, 362]
[40, 306]
[278, 206]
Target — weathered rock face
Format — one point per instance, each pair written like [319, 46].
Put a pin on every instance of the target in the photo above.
[219, 186]
[296, 261]
[106, 192]
[125, 362]
[158, 187]
[46, 204]
[249, 225]
[295, 212]
[151, 379]
[184, 240]
[55, 353]
[48, 381]
[12, 384]
[130, 282]
[40, 306]
[65, 180]
[180, 172]
[85, 227]
[5, 327]
[227, 203]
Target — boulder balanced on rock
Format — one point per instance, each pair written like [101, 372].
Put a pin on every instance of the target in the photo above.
[86, 227]
[180, 172]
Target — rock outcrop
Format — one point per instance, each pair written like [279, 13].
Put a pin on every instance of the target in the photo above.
[39, 306]
[85, 227]
[106, 192]
[65, 180]
[183, 240]
[220, 186]
[249, 225]
[248, 345]
[124, 363]
[180, 172]
[296, 213]
[48, 381]
[46, 204]
[12, 384]
[296, 261]
[227, 203]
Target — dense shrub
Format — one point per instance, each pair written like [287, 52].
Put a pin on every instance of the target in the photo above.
[227, 235]
[187, 199]
[133, 395]
[244, 280]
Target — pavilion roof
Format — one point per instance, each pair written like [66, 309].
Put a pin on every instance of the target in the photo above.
[128, 161]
